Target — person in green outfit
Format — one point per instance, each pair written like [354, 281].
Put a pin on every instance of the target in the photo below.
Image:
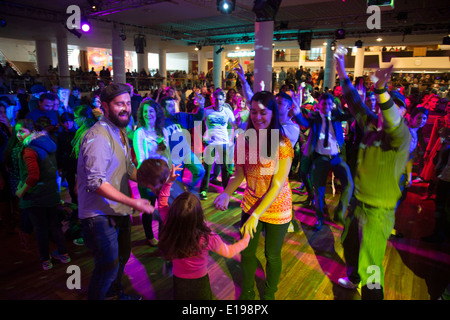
[382, 157]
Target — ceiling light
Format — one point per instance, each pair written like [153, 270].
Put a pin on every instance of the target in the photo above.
[226, 6]
[379, 39]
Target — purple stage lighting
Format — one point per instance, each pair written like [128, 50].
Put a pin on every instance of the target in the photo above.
[85, 27]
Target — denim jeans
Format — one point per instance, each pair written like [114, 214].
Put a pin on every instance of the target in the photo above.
[274, 238]
[197, 172]
[109, 239]
[45, 222]
[223, 161]
[147, 219]
[321, 167]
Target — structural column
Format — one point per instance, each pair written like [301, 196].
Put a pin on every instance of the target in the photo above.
[118, 56]
[63, 60]
[43, 55]
[202, 62]
[359, 62]
[163, 65]
[330, 69]
[217, 67]
[263, 55]
[142, 62]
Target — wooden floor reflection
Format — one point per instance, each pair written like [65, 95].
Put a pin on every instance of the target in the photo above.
[312, 261]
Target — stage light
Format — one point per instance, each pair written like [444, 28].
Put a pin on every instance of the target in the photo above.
[2, 23]
[333, 46]
[446, 40]
[226, 6]
[379, 39]
[198, 47]
[123, 36]
[359, 44]
[85, 27]
[339, 34]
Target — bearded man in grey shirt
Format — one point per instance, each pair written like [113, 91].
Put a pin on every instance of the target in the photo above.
[105, 203]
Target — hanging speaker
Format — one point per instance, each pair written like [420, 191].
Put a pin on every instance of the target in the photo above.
[304, 40]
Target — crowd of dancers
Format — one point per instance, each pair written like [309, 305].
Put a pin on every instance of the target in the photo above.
[364, 131]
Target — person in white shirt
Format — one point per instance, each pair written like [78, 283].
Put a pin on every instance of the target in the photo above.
[217, 119]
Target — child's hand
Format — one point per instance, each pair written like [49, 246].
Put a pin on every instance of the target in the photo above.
[173, 173]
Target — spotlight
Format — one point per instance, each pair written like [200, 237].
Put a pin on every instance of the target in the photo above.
[333, 46]
[2, 23]
[359, 44]
[198, 47]
[446, 40]
[85, 27]
[226, 6]
[219, 50]
[339, 34]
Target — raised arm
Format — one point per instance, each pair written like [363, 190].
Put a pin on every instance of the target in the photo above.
[391, 114]
[248, 92]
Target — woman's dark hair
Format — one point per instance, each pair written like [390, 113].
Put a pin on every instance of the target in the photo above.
[159, 123]
[66, 116]
[152, 171]
[326, 96]
[418, 110]
[185, 233]
[268, 100]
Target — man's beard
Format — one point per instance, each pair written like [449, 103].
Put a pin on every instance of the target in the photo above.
[121, 123]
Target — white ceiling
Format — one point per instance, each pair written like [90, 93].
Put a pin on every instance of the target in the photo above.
[164, 22]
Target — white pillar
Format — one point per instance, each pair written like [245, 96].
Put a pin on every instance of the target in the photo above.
[63, 60]
[263, 55]
[43, 55]
[330, 69]
[118, 56]
[217, 67]
[202, 62]
[163, 64]
[142, 61]
[359, 62]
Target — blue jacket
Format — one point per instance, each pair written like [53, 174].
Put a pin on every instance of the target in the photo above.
[313, 121]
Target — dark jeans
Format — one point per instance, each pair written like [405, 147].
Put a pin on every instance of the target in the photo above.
[69, 175]
[305, 174]
[192, 289]
[197, 172]
[209, 160]
[45, 222]
[147, 219]
[274, 234]
[321, 167]
[109, 239]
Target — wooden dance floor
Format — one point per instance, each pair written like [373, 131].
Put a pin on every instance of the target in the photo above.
[312, 261]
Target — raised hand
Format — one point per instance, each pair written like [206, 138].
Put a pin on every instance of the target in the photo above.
[173, 173]
[383, 76]
[240, 72]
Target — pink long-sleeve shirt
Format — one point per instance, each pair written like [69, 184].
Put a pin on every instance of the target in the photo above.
[197, 266]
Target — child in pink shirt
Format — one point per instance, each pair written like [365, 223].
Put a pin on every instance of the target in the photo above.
[185, 238]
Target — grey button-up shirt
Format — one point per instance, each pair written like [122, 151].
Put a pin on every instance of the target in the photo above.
[103, 158]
